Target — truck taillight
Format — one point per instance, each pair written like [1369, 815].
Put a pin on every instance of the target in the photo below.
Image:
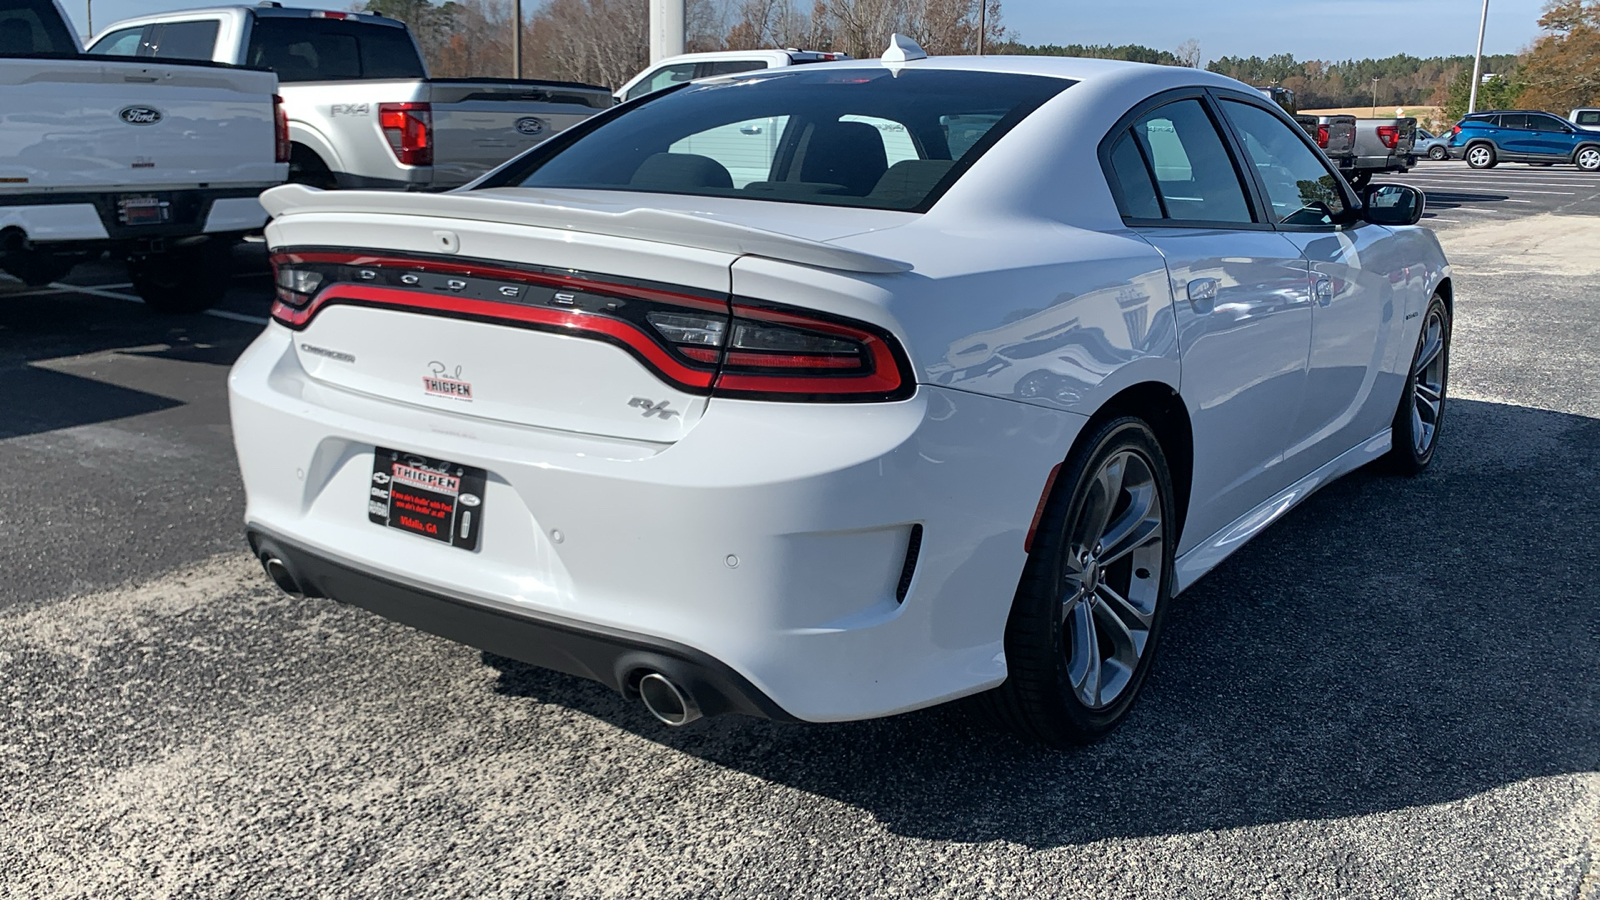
[280, 129]
[409, 128]
[1390, 135]
[1322, 136]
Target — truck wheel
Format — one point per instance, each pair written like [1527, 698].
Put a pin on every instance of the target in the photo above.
[1438, 154]
[1360, 180]
[1481, 156]
[307, 168]
[182, 281]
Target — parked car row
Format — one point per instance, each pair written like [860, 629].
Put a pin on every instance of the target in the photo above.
[155, 143]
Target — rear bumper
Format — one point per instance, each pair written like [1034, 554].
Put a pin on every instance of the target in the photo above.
[773, 538]
[80, 217]
[610, 656]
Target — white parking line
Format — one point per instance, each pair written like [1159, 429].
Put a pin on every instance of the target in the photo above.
[1500, 190]
[56, 289]
[130, 298]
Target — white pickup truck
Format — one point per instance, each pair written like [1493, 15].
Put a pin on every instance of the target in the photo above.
[363, 112]
[157, 162]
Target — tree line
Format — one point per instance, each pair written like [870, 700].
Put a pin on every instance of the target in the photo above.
[607, 41]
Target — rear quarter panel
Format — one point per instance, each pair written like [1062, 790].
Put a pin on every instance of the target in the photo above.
[339, 121]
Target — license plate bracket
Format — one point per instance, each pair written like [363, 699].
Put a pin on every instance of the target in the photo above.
[432, 498]
[144, 209]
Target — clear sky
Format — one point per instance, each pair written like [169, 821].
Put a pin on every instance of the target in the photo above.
[1310, 29]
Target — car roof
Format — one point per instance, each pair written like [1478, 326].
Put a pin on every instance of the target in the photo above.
[1075, 69]
[286, 12]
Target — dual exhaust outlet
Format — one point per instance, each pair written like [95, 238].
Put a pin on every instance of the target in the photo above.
[664, 698]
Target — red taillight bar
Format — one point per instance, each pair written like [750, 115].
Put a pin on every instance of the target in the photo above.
[280, 130]
[887, 376]
[409, 129]
[1322, 136]
[1390, 135]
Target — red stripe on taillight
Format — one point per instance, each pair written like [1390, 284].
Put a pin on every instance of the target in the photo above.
[1390, 135]
[559, 320]
[888, 377]
[1322, 136]
[409, 129]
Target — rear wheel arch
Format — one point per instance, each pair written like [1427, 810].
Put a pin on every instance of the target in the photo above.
[1162, 408]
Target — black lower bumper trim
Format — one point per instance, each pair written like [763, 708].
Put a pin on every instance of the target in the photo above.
[610, 656]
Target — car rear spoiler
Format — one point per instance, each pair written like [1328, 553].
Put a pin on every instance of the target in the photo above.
[660, 226]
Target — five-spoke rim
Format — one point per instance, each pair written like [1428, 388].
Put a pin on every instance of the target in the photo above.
[1427, 383]
[1113, 573]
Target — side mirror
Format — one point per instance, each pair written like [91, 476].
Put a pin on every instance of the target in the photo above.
[1393, 204]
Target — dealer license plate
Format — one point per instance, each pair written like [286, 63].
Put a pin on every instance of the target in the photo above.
[430, 497]
[144, 209]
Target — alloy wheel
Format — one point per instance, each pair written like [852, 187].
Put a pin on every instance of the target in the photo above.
[1437, 153]
[1589, 159]
[1114, 563]
[1427, 384]
[1479, 157]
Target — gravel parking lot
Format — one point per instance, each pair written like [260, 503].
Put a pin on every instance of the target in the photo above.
[1395, 692]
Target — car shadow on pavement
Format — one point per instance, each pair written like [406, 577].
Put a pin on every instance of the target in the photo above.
[1392, 643]
[1445, 200]
[42, 398]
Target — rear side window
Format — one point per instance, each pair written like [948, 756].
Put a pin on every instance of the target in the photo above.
[664, 77]
[182, 40]
[1515, 120]
[33, 27]
[1131, 183]
[732, 67]
[332, 50]
[123, 42]
[835, 137]
[1193, 172]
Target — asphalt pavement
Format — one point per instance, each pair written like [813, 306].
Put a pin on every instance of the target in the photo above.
[1394, 692]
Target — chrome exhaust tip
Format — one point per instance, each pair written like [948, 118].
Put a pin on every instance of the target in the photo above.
[279, 573]
[666, 701]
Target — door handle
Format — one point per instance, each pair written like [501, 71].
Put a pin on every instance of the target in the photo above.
[1203, 294]
[1322, 291]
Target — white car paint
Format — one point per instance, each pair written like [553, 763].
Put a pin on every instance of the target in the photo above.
[771, 535]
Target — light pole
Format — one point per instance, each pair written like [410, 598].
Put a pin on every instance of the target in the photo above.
[516, 39]
[666, 28]
[88, 10]
[1477, 61]
[983, 23]
[1374, 98]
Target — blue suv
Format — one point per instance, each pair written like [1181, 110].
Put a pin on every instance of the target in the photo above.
[1487, 139]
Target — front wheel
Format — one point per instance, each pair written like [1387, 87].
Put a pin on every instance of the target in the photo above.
[1588, 159]
[1481, 156]
[187, 280]
[1087, 614]
[1421, 412]
[1438, 154]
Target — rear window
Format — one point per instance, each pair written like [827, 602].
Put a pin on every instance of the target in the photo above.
[195, 40]
[833, 137]
[33, 27]
[1589, 118]
[332, 50]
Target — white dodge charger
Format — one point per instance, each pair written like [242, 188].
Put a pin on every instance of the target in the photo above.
[840, 390]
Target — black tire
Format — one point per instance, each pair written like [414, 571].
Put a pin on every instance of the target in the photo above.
[1038, 699]
[1414, 449]
[1438, 154]
[1360, 180]
[1482, 156]
[1587, 158]
[188, 280]
[307, 168]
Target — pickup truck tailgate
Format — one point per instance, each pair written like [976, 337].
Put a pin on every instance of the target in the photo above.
[86, 123]
[479, 124]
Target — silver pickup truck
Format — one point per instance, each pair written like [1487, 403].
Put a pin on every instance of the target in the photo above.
[1383, 145]
[362, 110]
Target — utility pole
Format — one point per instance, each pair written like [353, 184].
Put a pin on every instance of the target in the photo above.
[516, 39]
[983, 23]
[1477, 61]
[666, 29]
[1374, 98]
[88, 9]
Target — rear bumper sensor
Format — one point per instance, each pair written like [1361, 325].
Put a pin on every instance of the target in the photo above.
[615, 658]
